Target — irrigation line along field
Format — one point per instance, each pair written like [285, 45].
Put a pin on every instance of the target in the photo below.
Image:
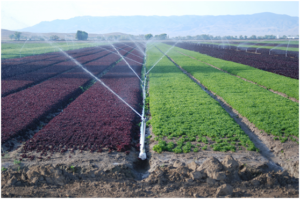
[138, 47]
[96, 78]
[142, 154]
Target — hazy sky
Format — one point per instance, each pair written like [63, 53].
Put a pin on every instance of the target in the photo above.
[20, 14]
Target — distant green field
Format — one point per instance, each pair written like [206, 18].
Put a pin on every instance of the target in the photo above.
[247, 45]
[15, 50]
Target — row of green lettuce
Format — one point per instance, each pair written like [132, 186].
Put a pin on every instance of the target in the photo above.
[267, 111]
[270, 80]
[185, 118]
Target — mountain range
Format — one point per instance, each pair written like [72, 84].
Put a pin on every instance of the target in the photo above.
[255, 24]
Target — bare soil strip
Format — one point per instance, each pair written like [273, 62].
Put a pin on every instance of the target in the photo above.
[284, 154]
[276, 92]
[115, 175]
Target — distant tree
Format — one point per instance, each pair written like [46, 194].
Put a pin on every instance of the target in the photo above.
[260, 37]
[148, 36]
[245, 37]
[228, 37]
[124, 37]
[81, 35]
[269, 37]
[11, 36]
[252, 37]
[241, 37]
[54, 38]
[203, 37]
[161, 36]
[284, 37]
[17, 35]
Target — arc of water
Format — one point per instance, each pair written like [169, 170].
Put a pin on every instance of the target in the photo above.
[117, 53]
[258, 47]
[228, 43]
[96, 78]
[132, 53]
[137, 46]
[212, 42]
[161, 57]
[125, 61]
[22, 48]
[287, 48]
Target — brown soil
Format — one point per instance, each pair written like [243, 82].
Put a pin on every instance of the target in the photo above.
[207, 177]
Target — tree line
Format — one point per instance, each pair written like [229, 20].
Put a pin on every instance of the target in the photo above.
[82, 35]
[241, 37]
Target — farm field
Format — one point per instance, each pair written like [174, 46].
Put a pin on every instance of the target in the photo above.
[62, 128]
[16, 77]
[280, 45]
[253, 102]
[96, 119]
[291, 41]
[261, 77]
[62, 88]
[278, 63]
[248, 45]
[28, 48]
[184, 122]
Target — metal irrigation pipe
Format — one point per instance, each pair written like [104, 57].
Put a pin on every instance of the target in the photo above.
[142, 154]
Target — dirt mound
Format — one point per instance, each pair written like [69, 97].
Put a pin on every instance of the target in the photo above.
[210, 179]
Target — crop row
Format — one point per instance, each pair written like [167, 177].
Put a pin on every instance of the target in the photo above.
[23, 110]
[272, 81]
[97, 119]
[276, 64]
[14, 70]
[268, 44]
[274, 48]
[47, 56]
[184, 117]
[266, 110]
[17, 50]
[19, 82]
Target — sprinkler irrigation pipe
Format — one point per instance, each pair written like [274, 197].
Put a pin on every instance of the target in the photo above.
[142, 154]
